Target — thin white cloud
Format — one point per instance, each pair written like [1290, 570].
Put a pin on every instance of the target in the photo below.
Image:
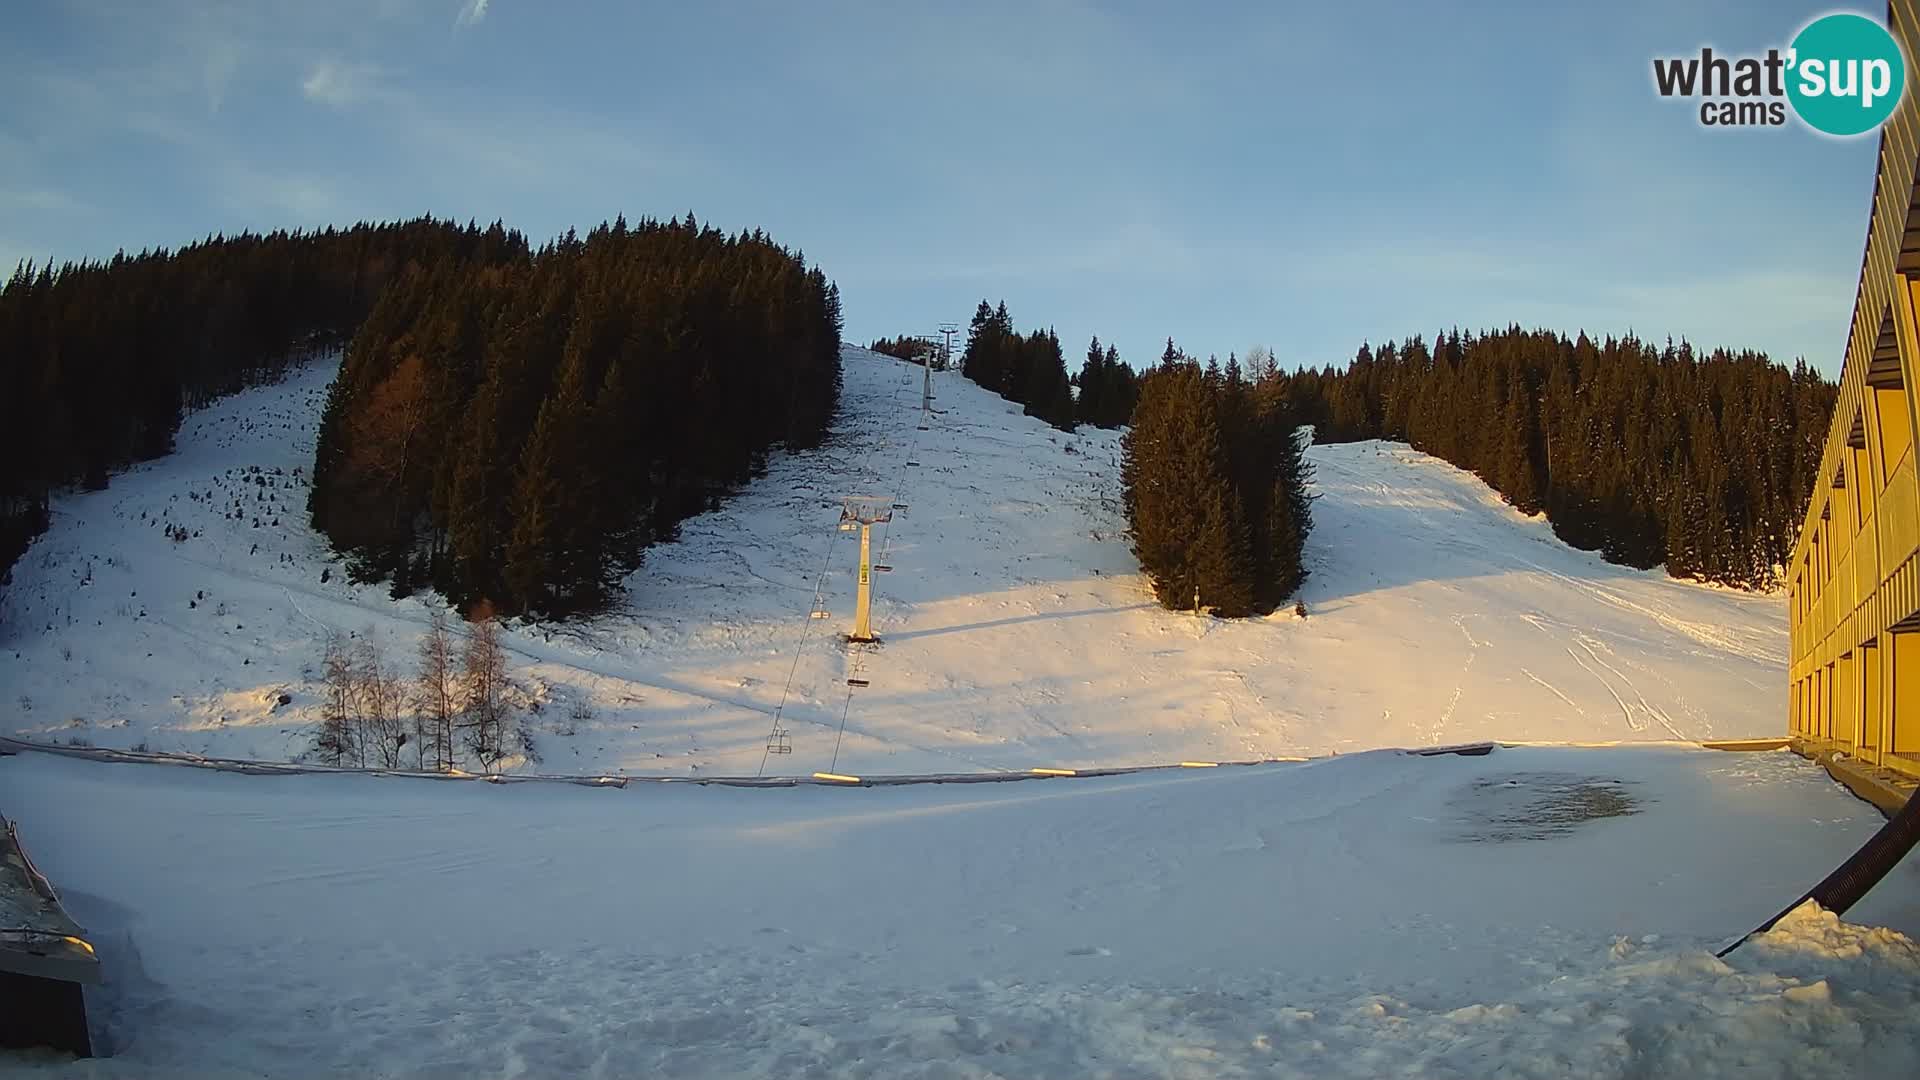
[337, 84]
[471, 12]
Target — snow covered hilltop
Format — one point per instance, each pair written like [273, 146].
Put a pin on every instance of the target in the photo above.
[1018, 631]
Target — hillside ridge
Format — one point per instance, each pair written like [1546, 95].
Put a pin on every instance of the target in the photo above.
[1017, 630]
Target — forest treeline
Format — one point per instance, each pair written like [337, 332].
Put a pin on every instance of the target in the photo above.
[1029, 369]
[1215, 481]
[914, 350]
[1108, 388]
[1647, 454]
[509, 424]
[1025, 368]
[99, 360]
[519, 433]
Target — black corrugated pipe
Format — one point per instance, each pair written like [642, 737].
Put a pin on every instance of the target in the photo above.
[1845, 886]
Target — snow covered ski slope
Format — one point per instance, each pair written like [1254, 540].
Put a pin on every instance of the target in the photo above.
[1538, 912]
[1017, 630]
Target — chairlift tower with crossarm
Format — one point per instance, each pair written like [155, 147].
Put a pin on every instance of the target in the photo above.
[864, 513]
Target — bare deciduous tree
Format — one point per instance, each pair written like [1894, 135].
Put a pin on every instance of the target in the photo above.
[484, 681]
[336, 743]
[1260, 364]
[436, 697]
[382, 701]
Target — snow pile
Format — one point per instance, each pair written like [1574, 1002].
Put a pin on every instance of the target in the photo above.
[1360, 916]
[1018, 631]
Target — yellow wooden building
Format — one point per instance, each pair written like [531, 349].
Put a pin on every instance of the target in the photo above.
[1854, 586]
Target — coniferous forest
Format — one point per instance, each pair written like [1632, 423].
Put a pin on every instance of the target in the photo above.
[911, 349]
[99, 360]
[521, 433]
[1028, 369]
[1646, 454]
[509, 424]
[518, 425]
[1215, 482]
[1108, 388]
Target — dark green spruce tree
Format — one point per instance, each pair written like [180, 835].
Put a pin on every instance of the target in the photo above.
[1216, 490]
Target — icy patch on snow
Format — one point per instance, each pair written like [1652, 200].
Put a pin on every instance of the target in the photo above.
[1539, 806]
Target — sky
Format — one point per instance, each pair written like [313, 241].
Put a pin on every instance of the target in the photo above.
[1303, 178]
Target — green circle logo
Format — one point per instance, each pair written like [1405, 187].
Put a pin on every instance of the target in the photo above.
[1846, 74]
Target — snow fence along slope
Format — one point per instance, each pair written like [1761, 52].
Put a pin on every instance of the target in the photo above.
[1372, 915]
[1018, 631]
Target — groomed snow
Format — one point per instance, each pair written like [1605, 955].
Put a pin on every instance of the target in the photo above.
[1018, 631]
[1369, 915]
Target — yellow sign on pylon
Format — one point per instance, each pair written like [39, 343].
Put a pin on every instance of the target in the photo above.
[866, 513]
